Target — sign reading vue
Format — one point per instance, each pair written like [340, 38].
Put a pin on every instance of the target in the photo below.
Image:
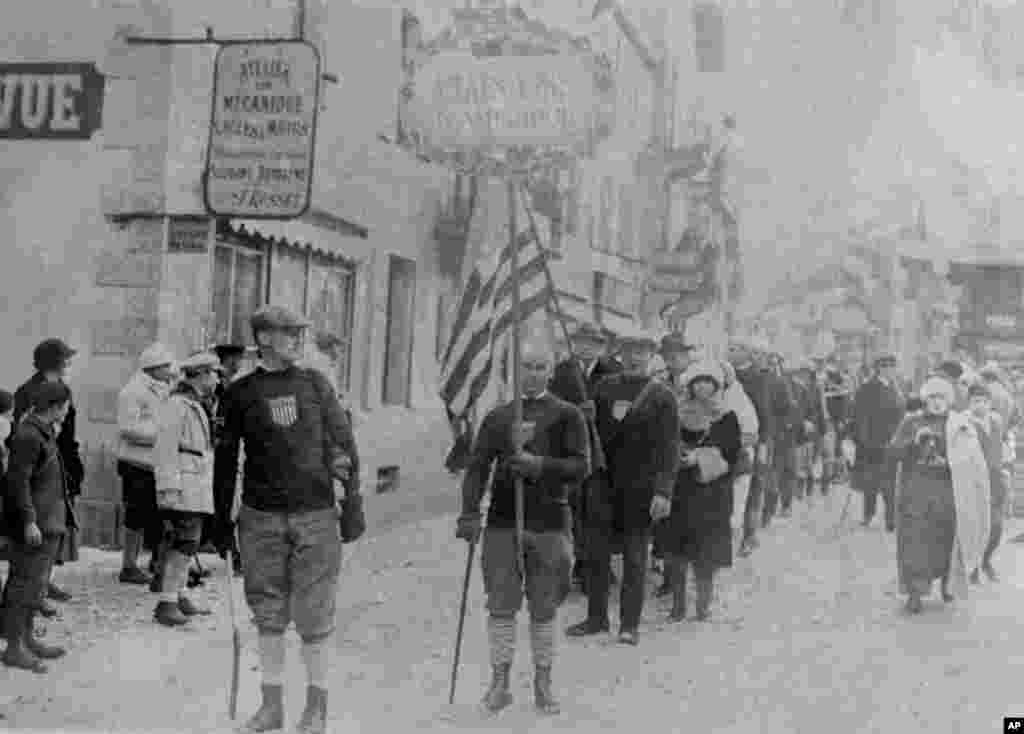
[260, 158]
[62, 101]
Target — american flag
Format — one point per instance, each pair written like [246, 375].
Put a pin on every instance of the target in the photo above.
[473, 359]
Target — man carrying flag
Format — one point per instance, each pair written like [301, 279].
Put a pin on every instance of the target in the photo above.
[549, 455]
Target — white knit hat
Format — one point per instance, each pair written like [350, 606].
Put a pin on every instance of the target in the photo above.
[707, 368]
[156, 355]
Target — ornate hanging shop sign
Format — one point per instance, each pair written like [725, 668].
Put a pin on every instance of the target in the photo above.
[260, 158]
[498, 93]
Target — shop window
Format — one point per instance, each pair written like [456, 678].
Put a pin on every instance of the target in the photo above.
[400, 324]
[332, 287]
[238, 291]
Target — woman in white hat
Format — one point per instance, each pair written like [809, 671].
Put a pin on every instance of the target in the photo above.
[944, 497]
[138, 408]
[699, 529]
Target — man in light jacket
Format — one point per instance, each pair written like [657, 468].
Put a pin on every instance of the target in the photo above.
[184, 483]
[735, 398]
[138, 410]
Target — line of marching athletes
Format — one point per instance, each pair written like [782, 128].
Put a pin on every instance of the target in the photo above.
[613, 458]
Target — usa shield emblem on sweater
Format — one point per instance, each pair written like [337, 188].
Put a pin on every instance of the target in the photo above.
[284, 411]
[620, 408]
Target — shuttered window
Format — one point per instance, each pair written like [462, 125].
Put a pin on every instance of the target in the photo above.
[238, 291]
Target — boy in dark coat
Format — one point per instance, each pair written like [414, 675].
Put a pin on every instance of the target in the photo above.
[786, 417]
[52, 360]
[35, 514]
[550, 454]
[574, 380]
[638, 421]
[878, 408]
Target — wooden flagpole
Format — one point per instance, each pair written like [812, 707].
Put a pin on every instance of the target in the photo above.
[517, 395]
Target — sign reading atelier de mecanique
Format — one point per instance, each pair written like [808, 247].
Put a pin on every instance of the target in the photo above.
[260, 160]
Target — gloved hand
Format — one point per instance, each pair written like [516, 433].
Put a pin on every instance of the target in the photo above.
[352, 521]
[525, 464]
[468, 528]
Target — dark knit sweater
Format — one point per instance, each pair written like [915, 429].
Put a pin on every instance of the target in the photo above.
[560, 437]
[288, 421]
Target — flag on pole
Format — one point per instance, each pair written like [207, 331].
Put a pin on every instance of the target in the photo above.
[473, 360]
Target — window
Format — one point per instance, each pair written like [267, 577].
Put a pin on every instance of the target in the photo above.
[331, 302]
[400, 324]
[238, 288]
[709, 37]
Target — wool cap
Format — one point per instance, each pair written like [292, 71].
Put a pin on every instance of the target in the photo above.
[156, 355]
[51, 354]
[938, 386]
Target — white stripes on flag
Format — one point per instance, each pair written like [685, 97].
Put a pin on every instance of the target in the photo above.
[484, 316]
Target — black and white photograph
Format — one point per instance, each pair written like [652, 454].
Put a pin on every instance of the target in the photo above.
[512, 366]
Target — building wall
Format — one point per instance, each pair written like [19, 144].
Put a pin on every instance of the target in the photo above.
[111, 287]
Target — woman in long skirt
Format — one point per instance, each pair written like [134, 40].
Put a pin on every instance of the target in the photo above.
[944, 497]
[699, 530]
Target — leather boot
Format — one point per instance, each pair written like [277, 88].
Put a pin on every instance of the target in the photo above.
[38, 648]
[270, 715]
[678, 613]
[169, 614]
[497, 696]
[18, 654]
[704, 588]
[542, 695]
[314, 716]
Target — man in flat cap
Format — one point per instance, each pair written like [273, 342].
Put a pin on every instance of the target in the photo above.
[638, 421]
[297, 442]
[878, 407]
[574, 380]
[183, 465]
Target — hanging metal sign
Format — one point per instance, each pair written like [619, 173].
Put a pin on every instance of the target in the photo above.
[50, 101]
[260, 158]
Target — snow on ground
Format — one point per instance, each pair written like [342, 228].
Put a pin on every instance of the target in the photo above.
[807, 636]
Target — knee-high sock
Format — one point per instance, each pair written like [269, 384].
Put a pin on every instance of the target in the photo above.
[272, 657]
[175, 578]
[315, 658]
[501, 632]
[542, 642]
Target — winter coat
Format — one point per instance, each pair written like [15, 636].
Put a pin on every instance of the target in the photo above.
[35, 488]
[66, 440]
[757, 386]
[877, 411]
[969, 475]
[641, 444]
[138, 410]
[784, 409]
[184, 455]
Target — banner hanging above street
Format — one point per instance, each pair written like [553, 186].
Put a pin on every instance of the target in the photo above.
[262, 130]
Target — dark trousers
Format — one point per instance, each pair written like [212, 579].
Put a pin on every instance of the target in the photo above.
[760, 484]
[635, 548]
[876, 477]
[29, 573]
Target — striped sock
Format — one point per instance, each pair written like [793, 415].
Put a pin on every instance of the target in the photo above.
[501, 631]
[542, 641]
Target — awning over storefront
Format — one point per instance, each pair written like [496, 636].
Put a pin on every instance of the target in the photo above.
[316, 230]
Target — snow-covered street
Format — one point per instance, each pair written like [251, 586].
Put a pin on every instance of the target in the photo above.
[807, 636]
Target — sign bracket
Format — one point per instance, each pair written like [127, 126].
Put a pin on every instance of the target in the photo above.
[210, 39]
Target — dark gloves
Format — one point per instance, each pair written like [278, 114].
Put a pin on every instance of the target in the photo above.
[468, 527]
[352, 522]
